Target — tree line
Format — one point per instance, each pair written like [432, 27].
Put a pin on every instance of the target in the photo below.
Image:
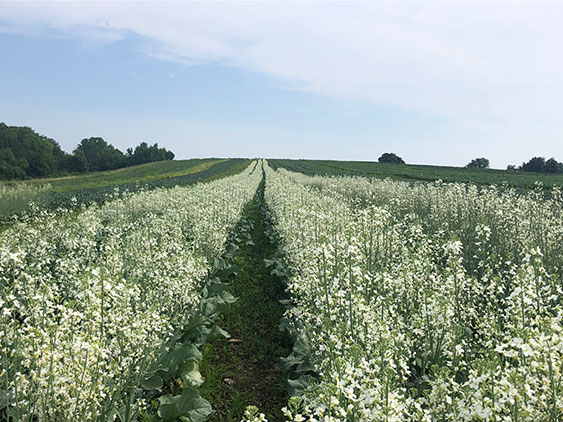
[535, 164]
[26, 154]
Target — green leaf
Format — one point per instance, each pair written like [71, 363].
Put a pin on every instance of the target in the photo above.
[187, 352]
[217, 332]
[290, 361]
[190, 374]
[189, 405]
[231, 250]
[152, 383]
[121, 414]
[208, 307]
[269, 262]
[227, 297]
[298, 386]
[181, 353]
[301, 348]
[216, 288]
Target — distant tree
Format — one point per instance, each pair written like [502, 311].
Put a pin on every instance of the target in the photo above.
[536, 164]
[77, 162]
[511, 167]
[24, 153]
[390, 157]
[10, 167]
[100, 155]
[28, 154]
[553, 166]
[480, 163]
[144, 153]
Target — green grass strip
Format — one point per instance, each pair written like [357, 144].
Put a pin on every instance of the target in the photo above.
[244, 370]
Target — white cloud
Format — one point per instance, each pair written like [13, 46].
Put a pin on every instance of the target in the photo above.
[495, 67]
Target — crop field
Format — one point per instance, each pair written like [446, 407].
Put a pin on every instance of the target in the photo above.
[412, 172]
[21, 199]
[143, 173]
[282, 290]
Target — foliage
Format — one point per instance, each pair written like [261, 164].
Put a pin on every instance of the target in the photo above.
[479, 163]
[147, 154]
[100, 155]
[26, 154]
[539, 165]
[389, 157]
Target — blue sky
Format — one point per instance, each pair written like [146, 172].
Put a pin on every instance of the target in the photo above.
[436, 83]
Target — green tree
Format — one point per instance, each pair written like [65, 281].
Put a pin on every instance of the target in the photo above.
[144, 153]
[100, 155]
[24, 153]
[480, 163]
[77, 162]
[34, 155]
[536, 164]
[390, 157]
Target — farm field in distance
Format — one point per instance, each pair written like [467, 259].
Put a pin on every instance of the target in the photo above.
[75, 191]
[136, 174]
[284, 290]
[414, 172]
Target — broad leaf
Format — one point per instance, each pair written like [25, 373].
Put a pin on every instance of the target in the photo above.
[189, 405]
[298, 386]
[152, 383]
[190, 374]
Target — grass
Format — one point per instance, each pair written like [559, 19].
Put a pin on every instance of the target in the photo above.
[142, 173]
[411, 172]
[243, 370]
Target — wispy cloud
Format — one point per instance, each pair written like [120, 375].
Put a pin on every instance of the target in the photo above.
[495, 67]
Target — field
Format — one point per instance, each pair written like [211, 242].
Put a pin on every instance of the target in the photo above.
[21, 199]
[411, 172]
[287, 290]
[143, 173]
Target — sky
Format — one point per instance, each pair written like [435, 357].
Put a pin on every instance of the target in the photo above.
[436, 83]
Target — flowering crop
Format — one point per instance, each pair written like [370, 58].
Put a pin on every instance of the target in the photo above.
[90, 300]
[424, 302]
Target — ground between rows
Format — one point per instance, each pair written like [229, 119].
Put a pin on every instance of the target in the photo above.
[244, 369]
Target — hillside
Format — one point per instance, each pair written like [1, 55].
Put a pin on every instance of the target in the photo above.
[74, 191]
[142, 173]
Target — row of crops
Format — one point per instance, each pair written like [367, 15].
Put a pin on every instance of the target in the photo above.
[427, 302]
[24, 200]
[407, 302]
[100, 309]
